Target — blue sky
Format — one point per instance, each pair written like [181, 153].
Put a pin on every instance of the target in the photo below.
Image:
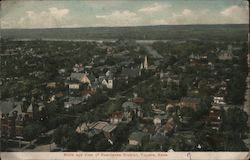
[92, 13]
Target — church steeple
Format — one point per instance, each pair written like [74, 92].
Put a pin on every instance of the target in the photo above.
[146, 62]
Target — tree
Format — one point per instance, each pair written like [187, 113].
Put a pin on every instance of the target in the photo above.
[32, 131]
[84, 143]
[186, 111]
[120, 135]
[236, 89]
[73, 141]
[102, 145]
[235, 119]
[233, 142]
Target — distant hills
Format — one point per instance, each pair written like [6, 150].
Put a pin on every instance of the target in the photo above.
[235, 32]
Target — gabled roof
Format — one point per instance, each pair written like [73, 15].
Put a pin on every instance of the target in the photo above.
[138, 100]
[17, 109]
[109, 128]
[30, 108]
[78, 76]
[100, 125]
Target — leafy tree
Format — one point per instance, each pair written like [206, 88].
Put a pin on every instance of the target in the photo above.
[32, 131]
[233, 142]
[235, 119]
[73, 141]
[120, 135]
[102, 145]
[186, 111]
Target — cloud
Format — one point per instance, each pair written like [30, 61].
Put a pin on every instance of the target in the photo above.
[53, 17]
[6, 24]
[58, 13]
[186, 16]
[156, 7]
[235, 14]
[119, 18]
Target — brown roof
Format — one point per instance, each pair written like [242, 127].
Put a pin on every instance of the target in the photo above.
[85, 92]
[117, 115]
[138, 100]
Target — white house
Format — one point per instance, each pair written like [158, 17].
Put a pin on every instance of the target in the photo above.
[219, 100]
[74, 86]
[108, 83]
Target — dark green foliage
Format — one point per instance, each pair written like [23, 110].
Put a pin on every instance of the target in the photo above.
[235, 119]
[32, 130]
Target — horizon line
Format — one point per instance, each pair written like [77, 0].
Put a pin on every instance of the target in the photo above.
[130, 26]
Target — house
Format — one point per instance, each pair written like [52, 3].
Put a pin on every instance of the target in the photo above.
[78, 68]
[94, 128]
[74, 86]
[51, 85]
[91, 129]
[132, 108]
[72, 101]
[190, 102]
[81, 77]
[169, 107]
[30, 110]
[51, 99]
[215, 117]
[108, 130]
[100, 125]
[12, 119]
[84, 127]
[169, 78]
[225, 55]
[116, 117]
[219, 99]
[61, 71]
[198, 57]
[169, 126]
[86, 95]
[138, 100]
[94, 86]
[108, 82]
[59, 95]
[109, 74]
[158, 111]
[138, 138]
[159, 119]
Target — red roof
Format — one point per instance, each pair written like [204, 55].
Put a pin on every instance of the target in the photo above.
[138, 100]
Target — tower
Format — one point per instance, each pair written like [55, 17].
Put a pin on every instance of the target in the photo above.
[146, 62]
[141, 66]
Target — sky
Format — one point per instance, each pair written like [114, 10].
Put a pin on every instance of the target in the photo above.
[95, 13]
